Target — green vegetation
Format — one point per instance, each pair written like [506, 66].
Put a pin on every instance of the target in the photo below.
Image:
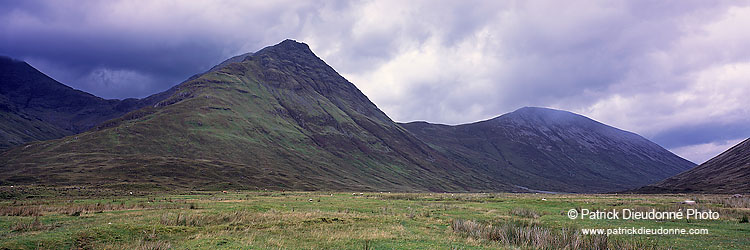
[112, 218]
[282, 118]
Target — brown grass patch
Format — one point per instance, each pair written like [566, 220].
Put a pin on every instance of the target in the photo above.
[530, 235]
[78, 209]
[525, 212]
[26, 226]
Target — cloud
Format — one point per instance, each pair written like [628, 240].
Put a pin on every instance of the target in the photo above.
[714, 98]
[690, 92]
[700, 153]
[167, 41]
[117, 82]
[674, 71]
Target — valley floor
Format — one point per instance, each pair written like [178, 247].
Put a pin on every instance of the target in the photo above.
[90, 218]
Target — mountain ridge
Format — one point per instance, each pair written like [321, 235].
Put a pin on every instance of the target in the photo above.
[46, 108]
[283, 118]
[281, 115]
[554, 149]
[76, 119]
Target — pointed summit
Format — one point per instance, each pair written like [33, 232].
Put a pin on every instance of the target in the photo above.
[289, 44]
[279, 118]
[289, 49]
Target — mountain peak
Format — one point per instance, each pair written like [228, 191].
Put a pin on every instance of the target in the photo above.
[547, 118]
[290, 51]
[288, 46]
[9, 60]
[292, 44]
[544, 115]
[542, 111]
[549, 149]
[281, 117]
[535, 109]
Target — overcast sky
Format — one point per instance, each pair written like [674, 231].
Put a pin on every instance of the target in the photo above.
[675, 72]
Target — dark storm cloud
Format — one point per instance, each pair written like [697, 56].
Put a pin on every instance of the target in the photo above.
[160, 43]
[63, 40]
[673, 71]
[702, 133]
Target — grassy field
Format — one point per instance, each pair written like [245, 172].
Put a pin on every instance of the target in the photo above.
[112, 218]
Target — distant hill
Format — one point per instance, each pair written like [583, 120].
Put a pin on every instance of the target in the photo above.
[35, 107]
[727, 173]
[546, 149]
[278, 118]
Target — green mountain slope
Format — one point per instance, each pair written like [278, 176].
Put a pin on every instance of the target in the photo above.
[280, 118]
[18, 128]
[35, 107]
[545, 149]
[728, 173]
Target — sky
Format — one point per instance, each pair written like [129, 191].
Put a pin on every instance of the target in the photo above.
[675, 72]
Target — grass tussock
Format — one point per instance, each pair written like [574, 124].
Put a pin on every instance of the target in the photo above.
[193, 220]
[21, 211]
[531, 235]
[153, 245]
[27, 226]
[525, 212]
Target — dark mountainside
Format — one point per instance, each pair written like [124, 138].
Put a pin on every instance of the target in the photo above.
[278, 118]
[35, 107]
[282, 118]
[545, 149]
[727, 173]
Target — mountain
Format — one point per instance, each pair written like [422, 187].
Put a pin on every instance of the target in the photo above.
[34, 106]
[546, 149]
[282, 118]
[727, 173]
[276, 118]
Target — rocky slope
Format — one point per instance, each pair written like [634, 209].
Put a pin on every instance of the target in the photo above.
[728, 173]
[277, 118]
[545, 149]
